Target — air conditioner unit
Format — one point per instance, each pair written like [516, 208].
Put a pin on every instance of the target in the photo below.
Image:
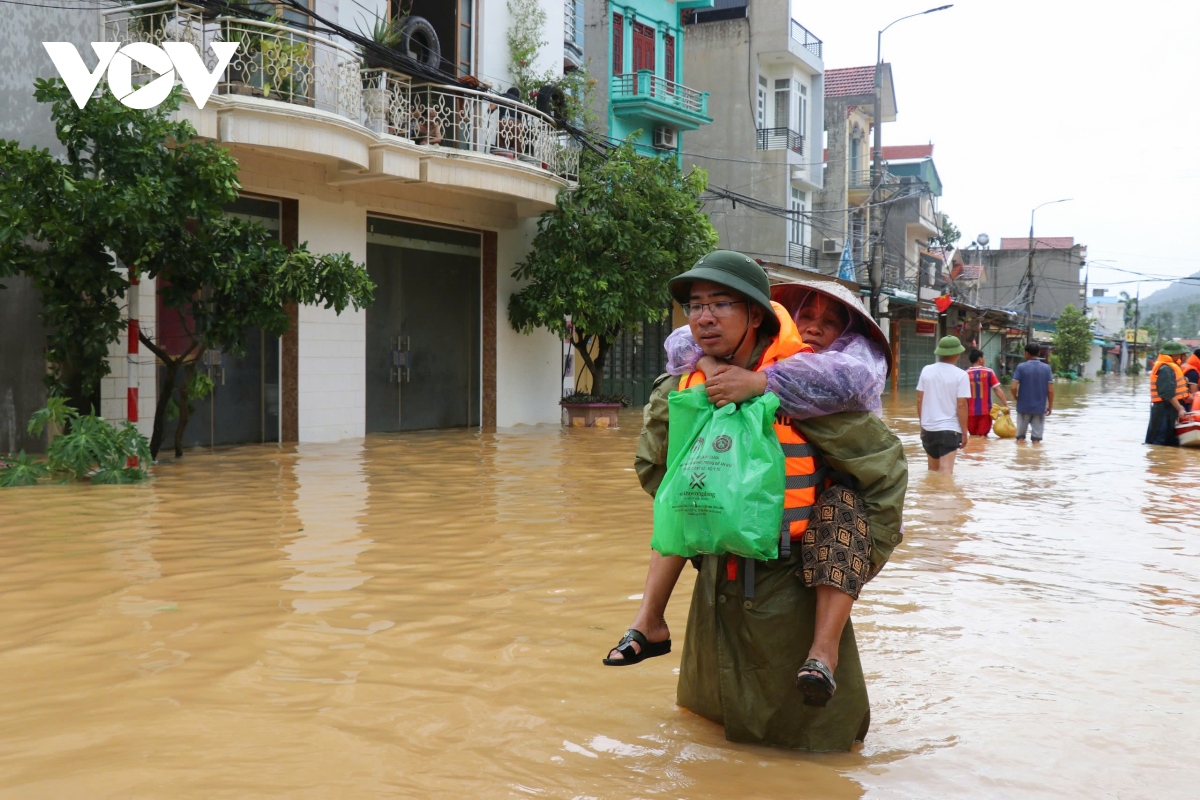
[831, 247]
[666, 138]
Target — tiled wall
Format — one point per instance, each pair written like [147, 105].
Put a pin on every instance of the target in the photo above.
[113, 406]
[332, 359]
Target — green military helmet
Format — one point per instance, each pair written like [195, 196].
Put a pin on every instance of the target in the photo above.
[735, 271]
[949, 346]
[1173, 348]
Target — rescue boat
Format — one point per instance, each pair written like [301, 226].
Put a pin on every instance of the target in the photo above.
[1188, 429]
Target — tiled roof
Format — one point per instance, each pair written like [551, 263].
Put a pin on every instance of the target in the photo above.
[902, 151]
[849, 81]
[1040, 243]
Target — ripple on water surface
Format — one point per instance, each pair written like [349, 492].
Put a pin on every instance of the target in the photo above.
[423, 615]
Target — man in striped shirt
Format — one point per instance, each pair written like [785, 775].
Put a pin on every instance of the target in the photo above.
[983, 382]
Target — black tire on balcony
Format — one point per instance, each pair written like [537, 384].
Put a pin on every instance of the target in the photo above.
[420, 41]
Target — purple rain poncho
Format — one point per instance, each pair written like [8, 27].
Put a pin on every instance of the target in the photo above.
[847, 376]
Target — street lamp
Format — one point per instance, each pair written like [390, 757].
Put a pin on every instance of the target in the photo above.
[876, 272]
[1029, 288]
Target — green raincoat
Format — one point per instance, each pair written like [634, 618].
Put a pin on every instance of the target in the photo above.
[740, 656]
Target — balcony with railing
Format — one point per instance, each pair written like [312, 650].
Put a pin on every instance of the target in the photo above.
[646, 95]
[780, 139]
[573, 33]
[805, 38]
[300, 85]
[463, 119]
[801, 255]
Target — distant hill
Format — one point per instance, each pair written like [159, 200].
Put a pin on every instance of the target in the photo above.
[1176, 297]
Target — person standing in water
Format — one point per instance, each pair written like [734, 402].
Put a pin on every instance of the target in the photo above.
[790, 613]
[983, 384]
[1033, 389]
[943, 391]
[1168, 393]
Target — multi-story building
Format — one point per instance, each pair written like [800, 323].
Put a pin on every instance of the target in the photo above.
[1057, 265]
[842, 206]
[427, 175]
[765, 145]
[635, 50]
[1107, 313]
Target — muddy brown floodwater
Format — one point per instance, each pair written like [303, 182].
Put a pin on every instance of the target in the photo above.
[424, 615]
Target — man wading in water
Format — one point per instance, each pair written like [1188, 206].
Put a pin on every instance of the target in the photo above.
[748, 639]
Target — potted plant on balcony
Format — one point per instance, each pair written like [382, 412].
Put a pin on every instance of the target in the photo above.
[384, 32]
[601, 260]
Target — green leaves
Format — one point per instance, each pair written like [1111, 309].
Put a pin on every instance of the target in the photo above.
[138, 189]
[1072, 338]
[602, 258]
[91, 449]
[23, 470]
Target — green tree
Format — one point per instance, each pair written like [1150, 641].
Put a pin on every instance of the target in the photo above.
[1190, 320]
[1131, 308]
[1072, 338]
[139, 190]
[949, 234]
[601, 259]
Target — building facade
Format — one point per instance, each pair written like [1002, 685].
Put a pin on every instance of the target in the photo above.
[842, 214]
[1057, 266]
[635, 49]
[428, 177]
[765, 73]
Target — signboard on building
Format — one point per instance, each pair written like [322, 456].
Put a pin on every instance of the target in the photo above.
[1143, 336]
[927, 319]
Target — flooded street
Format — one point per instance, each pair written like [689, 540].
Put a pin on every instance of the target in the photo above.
[423, 615]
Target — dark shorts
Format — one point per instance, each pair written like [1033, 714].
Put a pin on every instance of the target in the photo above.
[940, 443]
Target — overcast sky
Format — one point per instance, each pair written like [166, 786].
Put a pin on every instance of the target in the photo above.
[1033, 100]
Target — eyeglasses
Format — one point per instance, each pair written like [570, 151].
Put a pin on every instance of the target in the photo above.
[720, 309]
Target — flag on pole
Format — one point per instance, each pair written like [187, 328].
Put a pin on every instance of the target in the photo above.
[846, 267]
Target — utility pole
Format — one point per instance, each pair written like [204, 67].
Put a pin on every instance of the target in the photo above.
[1029, 285]
[874, 217]
[1137, 321]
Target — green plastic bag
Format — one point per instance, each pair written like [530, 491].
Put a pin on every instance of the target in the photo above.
[723, 491]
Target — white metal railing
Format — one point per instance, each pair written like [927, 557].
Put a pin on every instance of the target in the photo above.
[451, 116]
[646, 84]
[273, 61]
[276, 61]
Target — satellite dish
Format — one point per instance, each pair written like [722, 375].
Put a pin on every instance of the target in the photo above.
[982, 240]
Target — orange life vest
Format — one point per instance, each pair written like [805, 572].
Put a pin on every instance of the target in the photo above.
[804, 477]
[1193, 362]
[1180, 384]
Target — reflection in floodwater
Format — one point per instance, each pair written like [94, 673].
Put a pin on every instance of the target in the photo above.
[424, 615]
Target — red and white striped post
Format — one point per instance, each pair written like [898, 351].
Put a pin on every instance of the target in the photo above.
[131, 359]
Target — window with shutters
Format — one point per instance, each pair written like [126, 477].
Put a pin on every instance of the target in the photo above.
[801, 109]
[783, 101]
[760, 110]
[797, 230]
[669, 57]
[643, 47]
[618, 48]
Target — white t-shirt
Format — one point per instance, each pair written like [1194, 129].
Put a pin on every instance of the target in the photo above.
[942, 385]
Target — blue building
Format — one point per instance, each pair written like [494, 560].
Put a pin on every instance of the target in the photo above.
[635, 50]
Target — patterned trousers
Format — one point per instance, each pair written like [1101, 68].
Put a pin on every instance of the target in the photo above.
[836, 547]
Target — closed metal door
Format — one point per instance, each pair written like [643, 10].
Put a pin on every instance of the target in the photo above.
[424, 329]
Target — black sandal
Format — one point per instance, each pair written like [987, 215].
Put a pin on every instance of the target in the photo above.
[816, 682]
[631, 656]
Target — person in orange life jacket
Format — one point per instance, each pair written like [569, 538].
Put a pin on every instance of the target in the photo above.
[1191, 374]
[1168, 392]
[725, 323]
